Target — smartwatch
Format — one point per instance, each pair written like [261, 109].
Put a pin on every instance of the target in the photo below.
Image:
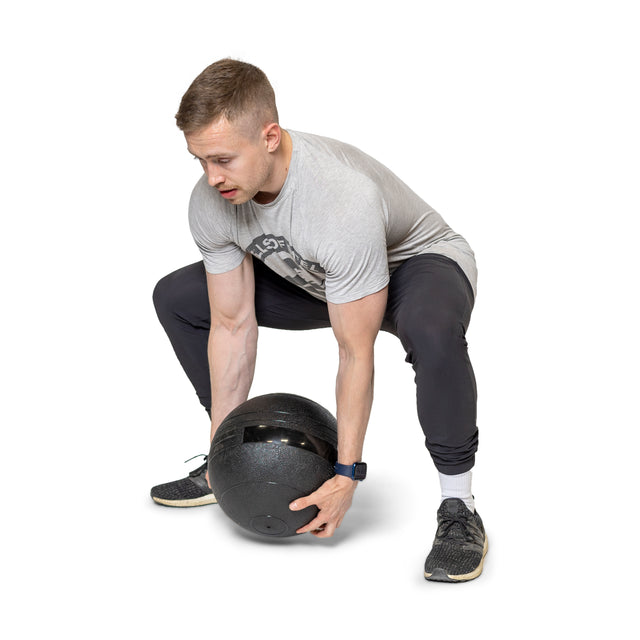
[355, 471]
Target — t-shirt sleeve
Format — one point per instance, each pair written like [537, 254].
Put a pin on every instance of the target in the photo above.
[212, 229]
[354, 252]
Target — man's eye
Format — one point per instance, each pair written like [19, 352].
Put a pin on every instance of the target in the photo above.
[223, 161]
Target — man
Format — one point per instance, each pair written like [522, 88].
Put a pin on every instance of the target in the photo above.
[298, 232]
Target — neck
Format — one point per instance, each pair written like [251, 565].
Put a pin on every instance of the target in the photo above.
[281, 161]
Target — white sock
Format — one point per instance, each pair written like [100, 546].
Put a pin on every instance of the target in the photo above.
[458, 486]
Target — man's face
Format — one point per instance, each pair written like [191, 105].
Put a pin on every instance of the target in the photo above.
[235, 158]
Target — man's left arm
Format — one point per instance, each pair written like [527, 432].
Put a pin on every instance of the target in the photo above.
[355, 326]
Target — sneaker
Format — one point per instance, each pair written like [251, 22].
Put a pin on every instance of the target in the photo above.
[192, 491]
[460, 544]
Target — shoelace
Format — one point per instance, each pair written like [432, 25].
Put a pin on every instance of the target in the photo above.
[198, 471]
[196, 456]
[447, 525]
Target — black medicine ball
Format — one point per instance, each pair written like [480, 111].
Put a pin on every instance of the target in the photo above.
[269, 451]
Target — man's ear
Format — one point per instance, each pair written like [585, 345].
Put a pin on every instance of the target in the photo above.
[272, 136]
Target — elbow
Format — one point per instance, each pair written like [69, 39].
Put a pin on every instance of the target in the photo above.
[234, 326]
[237, 334]
[350, 356]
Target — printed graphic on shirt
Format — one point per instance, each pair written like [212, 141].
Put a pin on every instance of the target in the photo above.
[278, 254]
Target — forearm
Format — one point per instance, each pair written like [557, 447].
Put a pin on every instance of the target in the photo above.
[354, 393]
[354, 397]
[232, 359]
[355, 325]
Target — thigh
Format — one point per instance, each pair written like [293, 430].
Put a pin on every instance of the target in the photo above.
[282, 305]
[428, 292]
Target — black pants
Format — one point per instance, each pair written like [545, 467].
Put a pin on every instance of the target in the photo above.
[428, 309]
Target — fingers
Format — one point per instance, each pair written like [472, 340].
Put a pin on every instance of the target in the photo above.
[319, 528]
[302, 503]
[333, 499]
[322, 526]
[315, 525]
[324, 531]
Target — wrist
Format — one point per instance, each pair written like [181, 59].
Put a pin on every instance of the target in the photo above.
[355, 471]
[343, 481]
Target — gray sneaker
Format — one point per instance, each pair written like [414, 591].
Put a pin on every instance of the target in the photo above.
[192, 491]
[460, 544]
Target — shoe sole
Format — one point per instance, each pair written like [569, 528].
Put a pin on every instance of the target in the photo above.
[192, 502]
[439, 575]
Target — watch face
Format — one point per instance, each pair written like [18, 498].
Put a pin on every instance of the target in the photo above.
[360, 471]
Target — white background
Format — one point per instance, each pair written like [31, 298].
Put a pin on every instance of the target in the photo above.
[517, 121]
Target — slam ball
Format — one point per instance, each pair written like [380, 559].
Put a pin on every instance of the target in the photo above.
[269, 451]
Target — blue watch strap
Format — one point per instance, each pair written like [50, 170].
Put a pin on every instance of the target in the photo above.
[355, 471]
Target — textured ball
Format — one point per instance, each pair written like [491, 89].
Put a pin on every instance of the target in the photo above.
[269, 451]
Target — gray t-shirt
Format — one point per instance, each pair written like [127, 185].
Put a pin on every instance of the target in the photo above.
[341, 224]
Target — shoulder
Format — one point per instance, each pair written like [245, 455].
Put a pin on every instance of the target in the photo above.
[205, 203]
[203, 195]
[330, 150]
[335, 167]
[209, 215]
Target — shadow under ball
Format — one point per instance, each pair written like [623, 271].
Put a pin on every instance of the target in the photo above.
[269, 451]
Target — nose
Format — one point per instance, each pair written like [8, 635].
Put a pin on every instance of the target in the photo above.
[214, 179]
[213, 174]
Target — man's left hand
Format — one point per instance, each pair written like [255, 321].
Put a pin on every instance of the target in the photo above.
[333, 499]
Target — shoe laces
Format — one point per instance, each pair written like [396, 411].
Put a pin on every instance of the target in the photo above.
[455, 528]
[198, 471]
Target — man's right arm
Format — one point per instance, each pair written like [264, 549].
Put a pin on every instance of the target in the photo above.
[233, 339]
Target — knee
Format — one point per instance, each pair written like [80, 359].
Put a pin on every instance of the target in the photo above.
[433, 340]
[163, 296]
[180, 291]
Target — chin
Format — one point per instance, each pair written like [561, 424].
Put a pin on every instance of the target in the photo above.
[241, 199]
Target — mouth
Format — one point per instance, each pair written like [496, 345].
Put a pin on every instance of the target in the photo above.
[228, 193]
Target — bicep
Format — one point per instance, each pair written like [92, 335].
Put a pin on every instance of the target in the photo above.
[231, 295]
[356, 324]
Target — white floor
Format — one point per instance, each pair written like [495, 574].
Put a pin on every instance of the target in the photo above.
[98, 557]
[516, 121]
